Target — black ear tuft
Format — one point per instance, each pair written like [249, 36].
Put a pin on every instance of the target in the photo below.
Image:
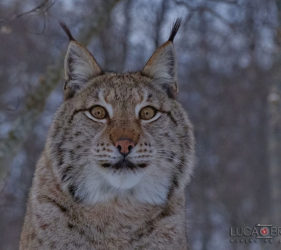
[79, 66]
[161, 66]
[67, 31]
[175, 29]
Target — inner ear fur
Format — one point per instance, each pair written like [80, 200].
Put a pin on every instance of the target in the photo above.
[161, 66]
[79, 65]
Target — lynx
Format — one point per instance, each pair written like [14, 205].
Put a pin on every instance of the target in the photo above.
[118, 157]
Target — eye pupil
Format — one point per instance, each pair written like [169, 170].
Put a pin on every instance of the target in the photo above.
[147, 113]
[99, 112]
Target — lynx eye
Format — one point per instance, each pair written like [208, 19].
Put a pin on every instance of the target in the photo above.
[147, 113]
[98, 112]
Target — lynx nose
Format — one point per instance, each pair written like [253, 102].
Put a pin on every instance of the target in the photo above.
[124, 145]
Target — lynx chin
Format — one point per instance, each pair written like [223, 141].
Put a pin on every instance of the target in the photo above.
[118, 156]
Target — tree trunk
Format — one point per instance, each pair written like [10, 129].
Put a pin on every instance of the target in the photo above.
[274, 136]
[36, 99]
[274, 150]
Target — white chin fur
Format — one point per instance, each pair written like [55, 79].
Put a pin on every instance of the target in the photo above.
[146, 186]
[123, 179]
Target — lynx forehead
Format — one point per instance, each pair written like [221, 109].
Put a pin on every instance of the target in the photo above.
[118, 156]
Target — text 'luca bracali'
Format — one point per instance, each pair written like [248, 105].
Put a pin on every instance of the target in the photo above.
[264, 233]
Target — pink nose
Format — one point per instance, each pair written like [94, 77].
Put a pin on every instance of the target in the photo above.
[124, 145]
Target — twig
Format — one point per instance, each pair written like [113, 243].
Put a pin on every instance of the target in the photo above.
[203, 8]
[43, 7]
[225, 1]
[159, 21]
[36, 99]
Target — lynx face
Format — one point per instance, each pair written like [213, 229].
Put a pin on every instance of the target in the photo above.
[121, 135]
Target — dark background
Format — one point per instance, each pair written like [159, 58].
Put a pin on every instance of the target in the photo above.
[229, 65]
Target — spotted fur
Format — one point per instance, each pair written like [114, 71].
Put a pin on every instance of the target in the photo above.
[82, 197]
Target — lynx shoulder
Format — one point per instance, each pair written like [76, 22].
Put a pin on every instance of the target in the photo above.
[118, 157]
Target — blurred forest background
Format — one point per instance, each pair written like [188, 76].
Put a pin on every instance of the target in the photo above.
[229, 63]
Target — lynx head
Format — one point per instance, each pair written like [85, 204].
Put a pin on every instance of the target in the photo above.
[124, 135]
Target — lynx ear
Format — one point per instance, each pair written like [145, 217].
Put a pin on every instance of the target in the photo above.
[162, 64]
[79, 66]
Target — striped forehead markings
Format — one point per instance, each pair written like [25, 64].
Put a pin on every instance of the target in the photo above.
[141, 97]
[107, 105]
[140, 105]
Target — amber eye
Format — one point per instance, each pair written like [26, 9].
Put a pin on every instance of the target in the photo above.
[98, 112]
[147, 113]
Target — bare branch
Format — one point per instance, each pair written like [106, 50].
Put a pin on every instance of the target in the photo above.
[203, 8]
[217, 15]
[225, 1]
[128, 17]
[42, 8]
[36, 99]
[159, 20]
